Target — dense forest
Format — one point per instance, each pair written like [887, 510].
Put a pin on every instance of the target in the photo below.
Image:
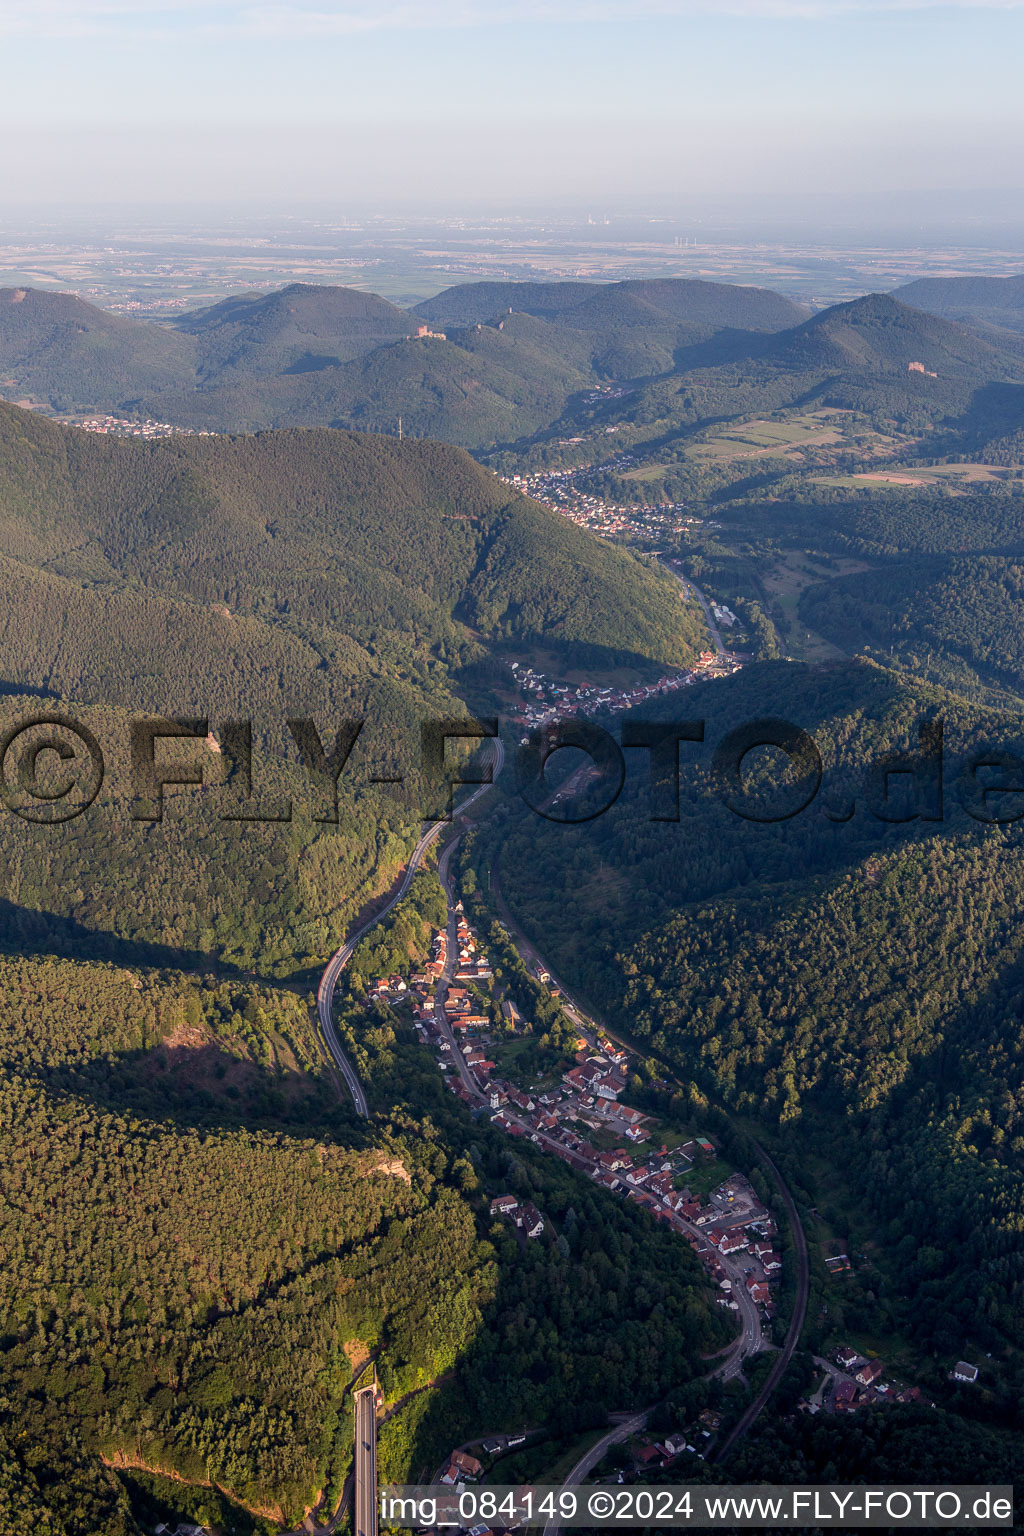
[846, 978]
[376, 542]
[955, 620]
[202, 1244]
[311, 355]
[517, 364]
[153, 1321]
[318, 576]
[152, 1316]
[983, 301]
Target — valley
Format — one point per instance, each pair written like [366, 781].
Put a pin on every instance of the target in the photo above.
[681, 499]
[511, 767]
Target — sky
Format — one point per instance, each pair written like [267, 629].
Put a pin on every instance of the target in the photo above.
[461, 103]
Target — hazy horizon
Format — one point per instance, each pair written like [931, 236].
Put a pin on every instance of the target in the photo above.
[671, 103]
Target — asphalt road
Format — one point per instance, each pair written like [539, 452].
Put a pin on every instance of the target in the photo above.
[803, 1283]
[749, 1341]
[691, 586]
[341, 957]
[445, 979]
[597, 1453]
[366, 1463]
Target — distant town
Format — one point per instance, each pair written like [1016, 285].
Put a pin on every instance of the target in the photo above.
[546, 701]
[119, 426]
[565, 491]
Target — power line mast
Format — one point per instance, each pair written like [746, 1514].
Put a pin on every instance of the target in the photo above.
[399, 429]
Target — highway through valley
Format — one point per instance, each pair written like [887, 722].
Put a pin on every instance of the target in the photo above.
[749, 1341]
[366, 1462]
[341, 957]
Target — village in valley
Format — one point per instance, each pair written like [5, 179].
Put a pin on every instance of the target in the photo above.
[578, 1110]
[544, 701]
[565, 491]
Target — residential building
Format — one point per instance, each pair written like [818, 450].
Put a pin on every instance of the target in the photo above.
[530, 1219]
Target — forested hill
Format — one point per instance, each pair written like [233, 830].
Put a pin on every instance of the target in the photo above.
[312, 355]
[502, 362]
[202, 1250]
[316, 574]
[473, 387]
[510, 356]
[874, 356]
[880, 335]
[514, 363]
[632, 329]
[361, 535]
[586, 306]
[202, 1245]
[993, 301]
[850, 983]
[55, 347]
[298, 329]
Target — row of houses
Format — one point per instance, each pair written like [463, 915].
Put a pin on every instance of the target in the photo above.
[849, 1396]
[438, 957]
[552, 702]
[754, 1239]
[588, 1095]
[470, 966]
[589, 1090]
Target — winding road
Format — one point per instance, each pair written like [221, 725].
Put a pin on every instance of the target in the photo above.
[341, 957]
[596, 1454]
[749, 1340]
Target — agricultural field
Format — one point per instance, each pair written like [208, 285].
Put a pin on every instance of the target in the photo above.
[827, 439]
[784, 583]
[960, 478]
[811, 437]
[756, 439]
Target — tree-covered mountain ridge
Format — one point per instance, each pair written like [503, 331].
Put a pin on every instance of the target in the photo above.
[514, 361]
[317, 575]
[327, 532]
[847, 982]
[201, 1240]
[325, 355]
[990, 301]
